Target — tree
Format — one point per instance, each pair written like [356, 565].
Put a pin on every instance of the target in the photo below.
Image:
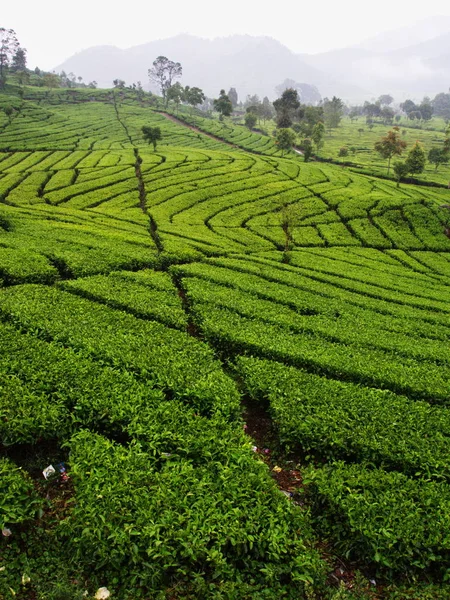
[441, 105]
[307, 149]
[232, 95]
[152, 135]
[416, 159]
[385, 100]
[19, 60]
[8, 47]
[290, 217]
[175, 93]
[285, 107]
[285, 139]
[118, 83]
[250, 120]
[401, 170]
[223, 105]
[333, 110]
[163, 73]
[318, 133]
[267, 110]
[23, 77]
[408, 106]
[390, 145]
[343, 151]
[9, 111]
[387, 114]
[426, 109]
[438, 156]
[372, 110]
[51, 80]
[360, 131]
[194, 96]
[353, 114]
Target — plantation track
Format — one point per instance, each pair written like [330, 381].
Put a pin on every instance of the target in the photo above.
[153, 302]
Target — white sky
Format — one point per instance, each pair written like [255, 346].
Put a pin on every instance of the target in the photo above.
[52, 30]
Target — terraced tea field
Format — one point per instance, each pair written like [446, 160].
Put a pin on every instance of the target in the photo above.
[148, 298]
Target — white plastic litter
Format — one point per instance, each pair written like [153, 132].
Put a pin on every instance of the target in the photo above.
[49, 471]
[6, 532]
[102, 593]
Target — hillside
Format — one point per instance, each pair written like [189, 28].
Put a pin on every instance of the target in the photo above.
[236, 363]
[253, 65]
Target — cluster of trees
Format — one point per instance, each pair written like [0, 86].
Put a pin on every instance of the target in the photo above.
[13, 58]
[382, 109]
[392, 145]
[308, 122]
[164, 72]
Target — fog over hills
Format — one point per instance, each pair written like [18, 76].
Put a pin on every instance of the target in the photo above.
[253, 65]
[410, 61]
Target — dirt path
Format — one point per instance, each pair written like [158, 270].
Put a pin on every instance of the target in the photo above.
[197, 129]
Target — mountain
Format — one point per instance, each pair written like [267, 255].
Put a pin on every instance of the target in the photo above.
[252, 65]
[403, 37]
[385, 65]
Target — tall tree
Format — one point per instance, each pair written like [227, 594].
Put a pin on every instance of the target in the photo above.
[333, 110]
[250, 119]
[163, 73]
[416, 159]
[438, 156]
[408, 106]
[19, 60]
[285, 139]
[385, 100]
[176, 93]
[233, 96]
[223, 105]
[318, 133]
[194, 96]
[401, 170]
[390, 145]
[426, 109]
[8, 47]
[267, 110]
[285, 107]
[441, 105]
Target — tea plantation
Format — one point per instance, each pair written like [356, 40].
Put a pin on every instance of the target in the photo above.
[147, 297]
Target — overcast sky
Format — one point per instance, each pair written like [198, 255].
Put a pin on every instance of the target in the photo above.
[52, 30]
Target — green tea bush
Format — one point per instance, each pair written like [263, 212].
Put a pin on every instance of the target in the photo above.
[383, 517]
[19, 502]
[209, 527]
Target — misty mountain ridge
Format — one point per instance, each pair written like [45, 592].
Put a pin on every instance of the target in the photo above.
[258, 64]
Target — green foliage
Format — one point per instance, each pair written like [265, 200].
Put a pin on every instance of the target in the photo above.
[438, 157]
[285, 139]
[382, 516]
[152, 135]
[223, 105]
[19, 501]
[333, 111]
[152, 526]
[333, 419]
[250, 120]
[416, 159]
[401, 170]
[286, 107]
[390, 145]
